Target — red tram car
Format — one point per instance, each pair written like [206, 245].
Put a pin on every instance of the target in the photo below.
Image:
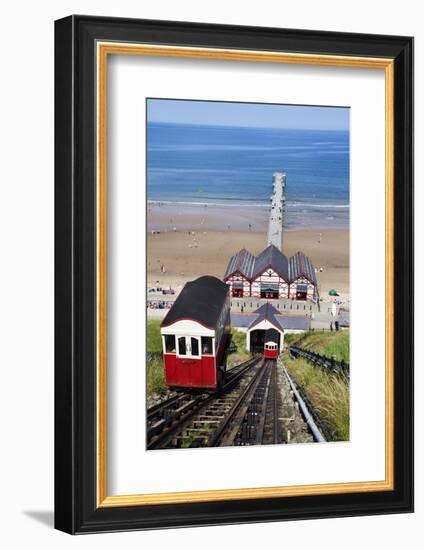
[196, 335]
[271, 344]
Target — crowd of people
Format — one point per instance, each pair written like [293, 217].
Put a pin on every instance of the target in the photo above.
[159, 304]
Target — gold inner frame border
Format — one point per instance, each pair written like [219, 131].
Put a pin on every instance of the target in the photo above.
[103, 50]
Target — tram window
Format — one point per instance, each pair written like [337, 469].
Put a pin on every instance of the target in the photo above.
[169, 343]
[207, 345]
[182, 350]
[194, 346]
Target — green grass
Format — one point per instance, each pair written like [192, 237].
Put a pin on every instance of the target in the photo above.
[154, 339]
[155, 372]
[323, 342]
[328, 393]
[241, 354]
[155, 376]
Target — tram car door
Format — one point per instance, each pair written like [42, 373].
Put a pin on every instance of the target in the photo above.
[188, 352]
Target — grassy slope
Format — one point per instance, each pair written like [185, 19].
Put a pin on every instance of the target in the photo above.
[323, 342]
[154, 340]
[328, 393]
[241, 354]
[155, 373]
[155, 377]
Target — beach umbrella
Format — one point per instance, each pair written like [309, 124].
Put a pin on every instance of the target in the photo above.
[333, 292]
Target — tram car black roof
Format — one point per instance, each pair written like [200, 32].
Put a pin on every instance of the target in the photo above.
[271, 335]
[201, 300]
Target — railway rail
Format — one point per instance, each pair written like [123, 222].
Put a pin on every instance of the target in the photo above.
[253, 418]
[167, 418]
[257, 406]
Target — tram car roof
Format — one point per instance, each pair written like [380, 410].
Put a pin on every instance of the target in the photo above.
[271, 335]
[200, 300]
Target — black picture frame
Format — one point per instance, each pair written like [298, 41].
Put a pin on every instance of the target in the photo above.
[76, 508]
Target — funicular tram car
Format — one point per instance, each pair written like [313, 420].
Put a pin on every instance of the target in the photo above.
[196, 335]
[271, 344]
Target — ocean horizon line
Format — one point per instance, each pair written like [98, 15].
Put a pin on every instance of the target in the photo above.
[277, 128]
[229, 203]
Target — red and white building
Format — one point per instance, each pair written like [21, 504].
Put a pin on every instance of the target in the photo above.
[271, 275]
[303, 283]
[257, 324]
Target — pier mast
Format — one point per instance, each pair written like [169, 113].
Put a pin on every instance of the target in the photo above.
[277, 212]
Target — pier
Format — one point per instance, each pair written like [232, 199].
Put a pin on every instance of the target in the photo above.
[276, 215]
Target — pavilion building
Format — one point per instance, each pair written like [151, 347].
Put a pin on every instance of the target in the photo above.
[271, 275]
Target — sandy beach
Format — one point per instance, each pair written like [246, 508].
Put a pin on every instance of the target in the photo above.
[193, 245]
[200, 217]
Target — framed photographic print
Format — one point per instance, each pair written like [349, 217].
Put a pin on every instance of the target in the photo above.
[234, 288]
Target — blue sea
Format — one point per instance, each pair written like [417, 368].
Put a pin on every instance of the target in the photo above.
[233, 166]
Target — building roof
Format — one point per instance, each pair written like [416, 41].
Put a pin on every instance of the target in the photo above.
[273, 258]
[270, 313]
[267, 310]
[252, 266]
[301, 266]
[201, 300]
[243, 320]
[242, 262]
[293, 322]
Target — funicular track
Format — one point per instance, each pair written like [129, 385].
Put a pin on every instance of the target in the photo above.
[259, 405]
[166, 420]
[254, 417]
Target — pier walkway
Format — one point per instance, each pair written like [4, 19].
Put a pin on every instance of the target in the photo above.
[276, 215]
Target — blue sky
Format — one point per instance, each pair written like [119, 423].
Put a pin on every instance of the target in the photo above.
[247, 114]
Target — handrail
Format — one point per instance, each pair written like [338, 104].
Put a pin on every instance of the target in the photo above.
[329, 363]
[319, 438]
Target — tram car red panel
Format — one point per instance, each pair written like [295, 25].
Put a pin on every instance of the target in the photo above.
[196, 335]
[271, 344]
